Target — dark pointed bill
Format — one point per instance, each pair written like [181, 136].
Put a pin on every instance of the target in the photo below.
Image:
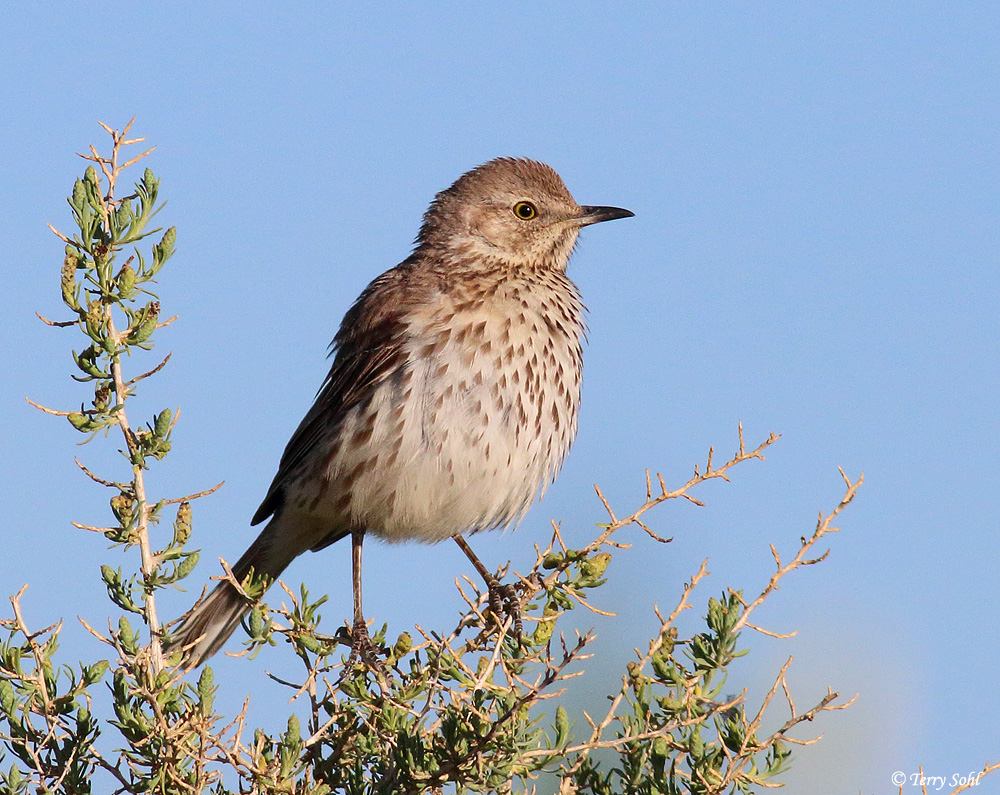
[594, 215]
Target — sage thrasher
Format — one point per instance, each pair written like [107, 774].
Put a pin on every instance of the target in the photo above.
[453, 396]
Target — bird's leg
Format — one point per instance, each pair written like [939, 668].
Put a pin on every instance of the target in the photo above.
[361, 643]
[502, 597]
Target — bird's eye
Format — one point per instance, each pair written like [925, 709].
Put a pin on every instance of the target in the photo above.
[525, 210]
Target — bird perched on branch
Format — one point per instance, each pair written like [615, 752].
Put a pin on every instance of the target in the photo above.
[452, 399]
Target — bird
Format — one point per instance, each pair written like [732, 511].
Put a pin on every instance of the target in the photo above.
[452, 398]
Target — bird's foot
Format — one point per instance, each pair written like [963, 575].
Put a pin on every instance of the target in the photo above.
[363, 649]
[504, 602]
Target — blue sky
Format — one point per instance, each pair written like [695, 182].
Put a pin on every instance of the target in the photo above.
[814, 253]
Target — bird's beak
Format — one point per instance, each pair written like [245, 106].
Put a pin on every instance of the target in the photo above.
[594, 215]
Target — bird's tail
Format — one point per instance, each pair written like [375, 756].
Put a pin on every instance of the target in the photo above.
[205, 628]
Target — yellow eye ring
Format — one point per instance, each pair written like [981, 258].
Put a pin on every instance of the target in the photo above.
[525, 211]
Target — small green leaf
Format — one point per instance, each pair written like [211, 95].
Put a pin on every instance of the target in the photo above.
[256, 621]
[126, 637]
[552, 560]
[595, 566]
[163, 250]
[93, 674]
[125, 281]
[162, 423]
[206, 690]
[145, 328]
[186, 566]
[402, 645]
[80, 421]
[696, 745]
[182, 525]
[8, 701]
[562, 726]
[79, 197]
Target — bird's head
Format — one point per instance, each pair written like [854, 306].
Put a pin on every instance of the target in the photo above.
[512, 213]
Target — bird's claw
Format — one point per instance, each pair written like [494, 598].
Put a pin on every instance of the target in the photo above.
[504, 602]
[363, 649]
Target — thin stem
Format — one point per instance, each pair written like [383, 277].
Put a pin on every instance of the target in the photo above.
[149, 561]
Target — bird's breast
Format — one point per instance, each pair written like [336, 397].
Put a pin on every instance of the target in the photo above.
[479, 417]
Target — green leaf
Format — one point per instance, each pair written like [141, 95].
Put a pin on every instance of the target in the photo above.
[186, 566]
[95, 673]
[145, 328]
[595, 566]
[8, 701]
[125, 281]
[552, 560]
[561, 726]
[78, 200]
[206, 691]
[126, 637]
[182, 525]
[162, 423]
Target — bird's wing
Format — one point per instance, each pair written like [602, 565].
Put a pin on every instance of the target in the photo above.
[368, 347]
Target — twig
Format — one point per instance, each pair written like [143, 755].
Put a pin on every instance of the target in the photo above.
[823, 527]
[154, 371]
[56, 323]
[195, 496]
[48, 410]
